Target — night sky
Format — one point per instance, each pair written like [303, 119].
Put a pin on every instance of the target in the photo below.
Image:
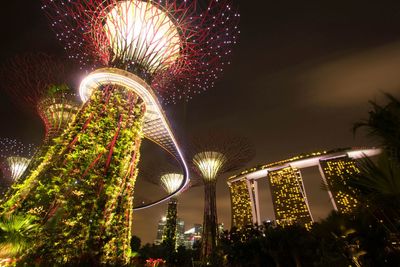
[301, 75]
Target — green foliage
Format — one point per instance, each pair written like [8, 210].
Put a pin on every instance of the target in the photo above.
[339, 240]
[378, 184]
[135, 243]
[383, 123]
[378, 181]
[83, 189]
[17, 234]
[169, 235]
[57, 89]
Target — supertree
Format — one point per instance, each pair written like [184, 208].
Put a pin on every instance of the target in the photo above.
[38, 83]
[212, 155]
[170, 180]
[87, 177]
[14, 159]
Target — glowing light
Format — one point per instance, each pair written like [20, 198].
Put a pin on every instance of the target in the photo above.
[171, 182]
[17, 166]
[141, 32]
[14, 158]
[179, 47]
[156, 126]
[304, 161]
[57, 111]
[209, 164]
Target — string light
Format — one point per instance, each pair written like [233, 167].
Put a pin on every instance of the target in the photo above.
[14, 157]
[177, 46]
[171, 182]
[209, 164]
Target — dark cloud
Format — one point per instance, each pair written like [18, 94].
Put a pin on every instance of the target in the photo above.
[350, 79]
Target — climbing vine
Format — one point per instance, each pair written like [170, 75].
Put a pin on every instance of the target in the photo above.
[83, 189]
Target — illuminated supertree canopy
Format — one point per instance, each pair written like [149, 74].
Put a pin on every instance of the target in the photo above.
[217, 153]
[180, 47]
[171, 181]
[14, 157]
[209, 164]
[166, 175]
[37, 82]
[87, 178]
[214, 154]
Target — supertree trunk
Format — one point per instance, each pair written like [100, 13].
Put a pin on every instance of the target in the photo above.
[57, 111]
[83, 190]
[209, 235]
[169, 235]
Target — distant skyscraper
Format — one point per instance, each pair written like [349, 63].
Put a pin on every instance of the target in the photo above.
[193, 235]
[242, 210]
[160, 230]
[180, 233]
[289, 197]
[335, 173]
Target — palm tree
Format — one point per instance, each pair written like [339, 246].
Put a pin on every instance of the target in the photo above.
[384, 123]
[378, 184]
[17, 234]
[338, 241]
[378, 187]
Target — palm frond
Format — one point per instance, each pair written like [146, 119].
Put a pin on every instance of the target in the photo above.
[17, 234]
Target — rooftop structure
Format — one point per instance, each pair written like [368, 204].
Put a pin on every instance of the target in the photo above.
[288, 192]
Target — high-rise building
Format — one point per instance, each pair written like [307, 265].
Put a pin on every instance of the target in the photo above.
[289, 197]
[287, 189]
[242, 192]
[193, 235]
[180, 233]
[335, 172]
[160, 230]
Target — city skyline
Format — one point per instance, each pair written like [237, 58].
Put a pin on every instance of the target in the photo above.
[311, 78]
[286, 184]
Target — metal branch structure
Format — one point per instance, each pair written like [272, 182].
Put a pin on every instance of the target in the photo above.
[171, 181]
[57, 109]
[37, 82]
[176, 48]
[179, 47]
[212, 155]
[14, 159]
